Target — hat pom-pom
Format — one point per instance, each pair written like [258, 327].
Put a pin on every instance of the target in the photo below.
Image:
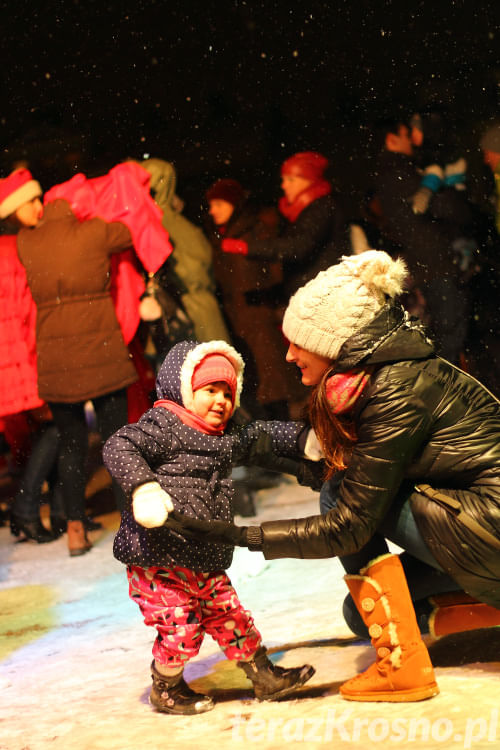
[379, 272]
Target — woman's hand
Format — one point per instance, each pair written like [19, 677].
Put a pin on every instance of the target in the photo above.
[218, 532]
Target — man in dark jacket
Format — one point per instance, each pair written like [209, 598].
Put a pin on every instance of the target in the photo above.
[424, 239]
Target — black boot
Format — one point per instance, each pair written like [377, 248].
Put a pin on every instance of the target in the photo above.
[271, 682]
[172, 695]
[58, 525]
[27, 530]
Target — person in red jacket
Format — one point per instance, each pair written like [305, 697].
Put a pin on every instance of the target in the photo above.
[27, 422]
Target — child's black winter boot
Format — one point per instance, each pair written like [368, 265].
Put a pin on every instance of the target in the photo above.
[172, 695]
[271, 682]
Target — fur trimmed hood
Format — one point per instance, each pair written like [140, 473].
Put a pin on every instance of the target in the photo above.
[174, 378]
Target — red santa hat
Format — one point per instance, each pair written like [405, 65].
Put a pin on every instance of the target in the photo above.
[16, 190]
[307, 164]
[215, 368]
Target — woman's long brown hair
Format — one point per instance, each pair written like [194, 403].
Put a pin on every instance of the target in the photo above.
[335, 432]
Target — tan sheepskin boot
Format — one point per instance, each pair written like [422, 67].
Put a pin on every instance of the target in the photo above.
[456, 612]
[403, 669]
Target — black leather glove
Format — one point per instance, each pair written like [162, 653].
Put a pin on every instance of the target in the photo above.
[308, 473]
[218, 532]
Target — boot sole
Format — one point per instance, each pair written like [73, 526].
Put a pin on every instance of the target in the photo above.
[79, 551]
[399, 696]
[289, 690]
[189, 711]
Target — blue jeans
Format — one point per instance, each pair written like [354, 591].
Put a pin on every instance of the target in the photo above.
[424, 574]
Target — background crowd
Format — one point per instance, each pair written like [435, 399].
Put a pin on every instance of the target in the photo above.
[101, 276]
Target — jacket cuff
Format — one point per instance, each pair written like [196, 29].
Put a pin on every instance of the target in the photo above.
[254, 538]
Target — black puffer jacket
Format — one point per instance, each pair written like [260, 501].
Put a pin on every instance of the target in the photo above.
[419, 420]
[194, 468]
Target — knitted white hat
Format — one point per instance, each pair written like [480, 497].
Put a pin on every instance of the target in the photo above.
[330, 308]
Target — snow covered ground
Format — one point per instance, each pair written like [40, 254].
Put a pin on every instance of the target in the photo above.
[75, 655]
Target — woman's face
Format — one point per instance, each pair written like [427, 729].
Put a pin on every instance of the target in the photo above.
[30, 213]
[312, 366]
[220, 211]
[292, 185]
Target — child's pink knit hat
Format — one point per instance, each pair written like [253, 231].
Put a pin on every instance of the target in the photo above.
[212, 369]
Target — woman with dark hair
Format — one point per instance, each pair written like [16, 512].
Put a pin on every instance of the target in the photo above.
[412, 446]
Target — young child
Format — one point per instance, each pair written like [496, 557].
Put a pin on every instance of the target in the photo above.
[178, 456]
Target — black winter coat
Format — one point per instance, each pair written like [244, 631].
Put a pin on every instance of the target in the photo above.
[425, 239]
[313, 242]
[419, 420]
[192, 467]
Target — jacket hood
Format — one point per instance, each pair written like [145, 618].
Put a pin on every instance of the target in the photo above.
[163, 179]
[173, 381]
[392, 335]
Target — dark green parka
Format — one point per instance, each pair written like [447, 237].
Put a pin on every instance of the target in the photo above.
[419, 421]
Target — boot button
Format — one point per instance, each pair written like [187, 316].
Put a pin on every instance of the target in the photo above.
[375, 630]
[368, 604]
[382, 652]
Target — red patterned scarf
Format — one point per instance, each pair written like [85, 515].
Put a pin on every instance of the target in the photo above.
[292, 211]
[344, 388]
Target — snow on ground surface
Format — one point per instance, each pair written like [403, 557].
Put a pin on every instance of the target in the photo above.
[75, 655]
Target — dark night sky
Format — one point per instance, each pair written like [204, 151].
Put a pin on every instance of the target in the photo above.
[233, 87]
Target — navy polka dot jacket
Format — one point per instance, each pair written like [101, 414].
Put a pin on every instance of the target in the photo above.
[193, 467]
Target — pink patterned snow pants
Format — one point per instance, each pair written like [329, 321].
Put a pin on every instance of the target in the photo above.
[183, 605]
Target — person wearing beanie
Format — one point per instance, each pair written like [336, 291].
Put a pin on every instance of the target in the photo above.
[22, 410]
[412, 449]
[179, 455]
[20, 199]
[247, 288]
[314, 231]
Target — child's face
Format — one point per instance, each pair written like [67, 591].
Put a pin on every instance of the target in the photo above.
[213, 403]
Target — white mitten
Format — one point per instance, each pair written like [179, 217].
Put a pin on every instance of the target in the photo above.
[312, 449]
[454, 174]
[151, 505]
[431, 182]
